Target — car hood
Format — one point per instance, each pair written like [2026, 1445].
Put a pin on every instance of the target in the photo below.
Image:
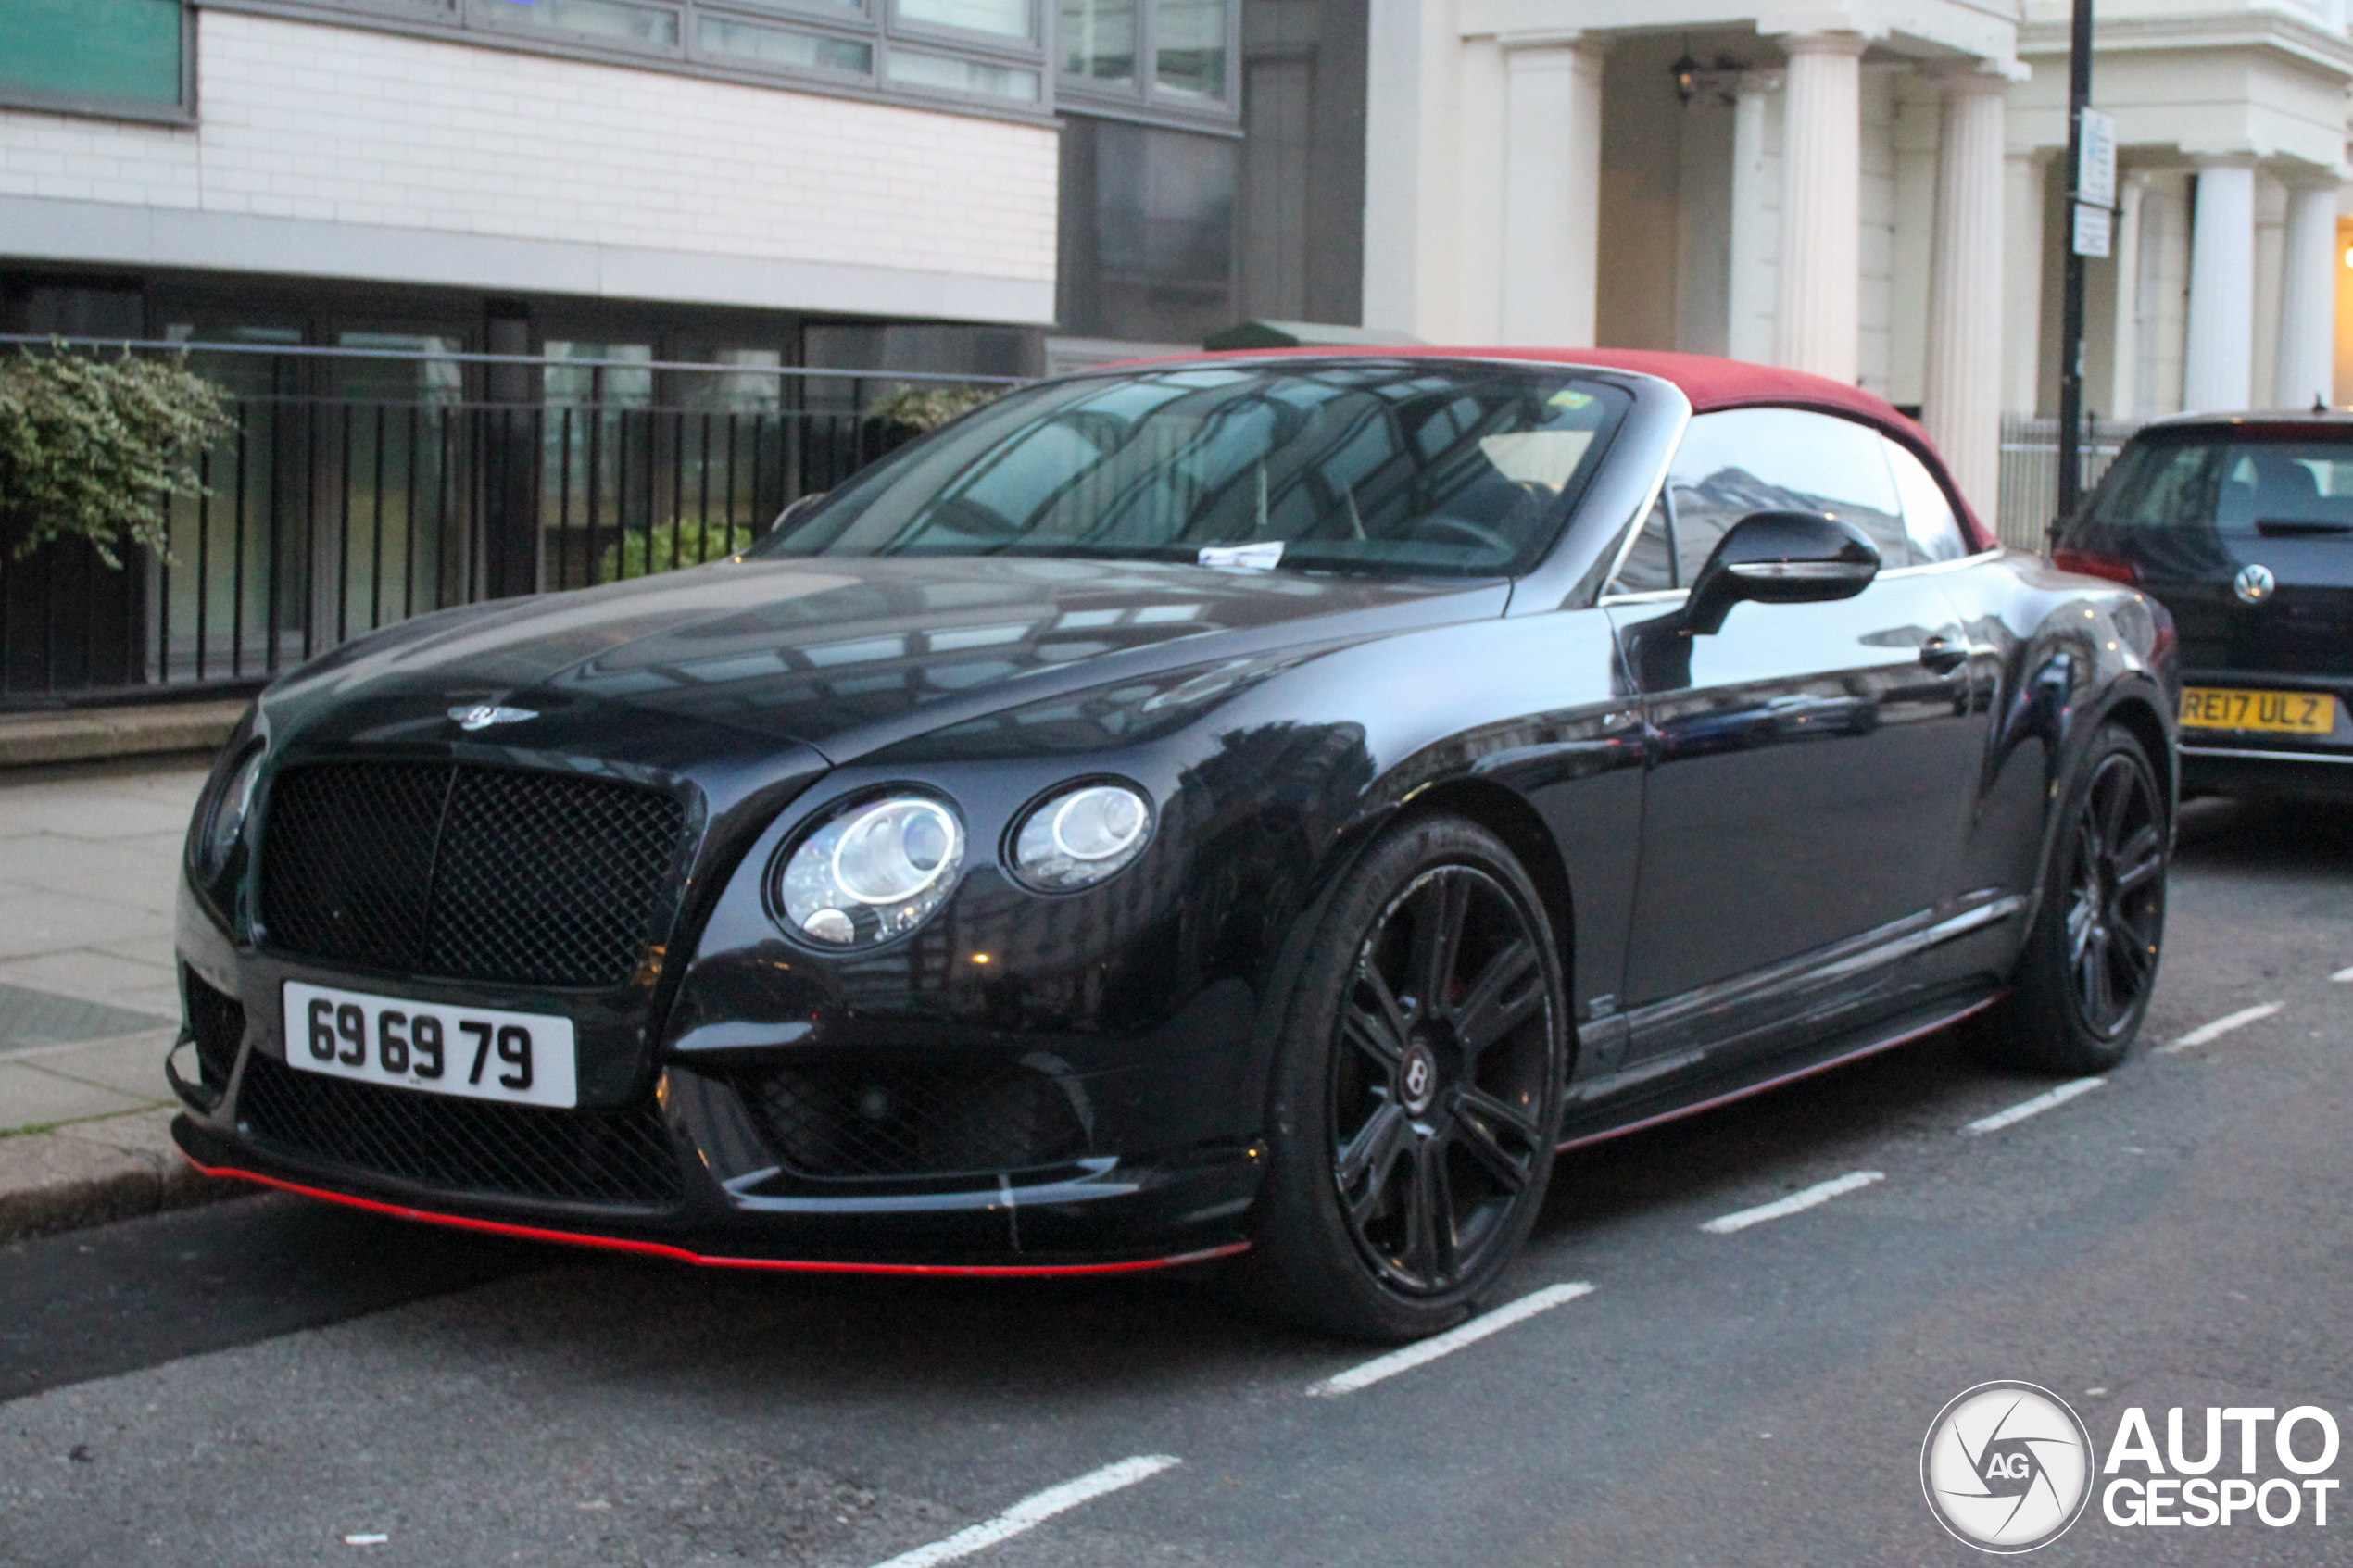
[840, 654]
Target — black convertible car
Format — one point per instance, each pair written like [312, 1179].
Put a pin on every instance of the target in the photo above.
[1250, 807]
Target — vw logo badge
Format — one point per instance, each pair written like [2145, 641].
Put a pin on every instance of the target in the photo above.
[483, 715]
[2254, 584]
[2007, 1467]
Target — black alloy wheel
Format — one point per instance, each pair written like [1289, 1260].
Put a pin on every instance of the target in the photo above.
[2089, 963]
[1418, 1093]
[2115, 899]
[1438, 1088]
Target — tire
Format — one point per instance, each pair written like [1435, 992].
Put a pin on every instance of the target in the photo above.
[2083, 978]
[1410, 1124]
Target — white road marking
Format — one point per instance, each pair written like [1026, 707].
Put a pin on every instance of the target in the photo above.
[1454, 1340]
[2342, 975]
[1031, 1511]
[2034, 1106]
[1796, 1202]
[2205, 1033]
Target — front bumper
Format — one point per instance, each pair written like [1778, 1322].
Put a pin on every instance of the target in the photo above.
[678, 1157]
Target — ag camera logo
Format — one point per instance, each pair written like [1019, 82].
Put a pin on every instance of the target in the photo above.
[2007, 1467]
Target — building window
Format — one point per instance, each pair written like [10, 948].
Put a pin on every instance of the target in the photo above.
[790, 48]
[1173, 55]
[1147, 231]
[1098, 40]
[624, 22]
[998, 18]
[122, 57]
[949, 73]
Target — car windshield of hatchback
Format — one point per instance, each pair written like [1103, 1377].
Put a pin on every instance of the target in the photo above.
[1459, 470]
[2277, 487]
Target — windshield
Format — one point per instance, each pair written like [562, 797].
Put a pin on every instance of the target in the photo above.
[2233, 486]
[1357, 466]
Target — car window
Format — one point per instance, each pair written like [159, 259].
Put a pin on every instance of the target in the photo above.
[2246, 485]
[1361, 465]
[1928, 520]
[1650, 563]
[1743, 460]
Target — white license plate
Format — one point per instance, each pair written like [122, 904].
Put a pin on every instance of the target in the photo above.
[518, 1058]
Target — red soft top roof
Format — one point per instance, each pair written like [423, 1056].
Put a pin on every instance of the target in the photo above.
[1710, 384]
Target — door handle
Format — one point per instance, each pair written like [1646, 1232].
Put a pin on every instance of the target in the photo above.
[1943, 655]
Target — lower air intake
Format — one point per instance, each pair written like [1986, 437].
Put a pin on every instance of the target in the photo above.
[611, 1157]
[852, 1121]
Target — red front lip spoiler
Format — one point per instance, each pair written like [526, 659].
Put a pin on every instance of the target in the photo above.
[683, 1255]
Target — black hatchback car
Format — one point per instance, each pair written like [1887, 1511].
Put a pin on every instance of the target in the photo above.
[1245, 808]
[2242, 525]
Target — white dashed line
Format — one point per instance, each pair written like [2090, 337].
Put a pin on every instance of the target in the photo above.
[1796, 1202]
[2205, 1032]
[1031, 1511]
[1454, 1340]
[2034, 1106]
[2342, 975]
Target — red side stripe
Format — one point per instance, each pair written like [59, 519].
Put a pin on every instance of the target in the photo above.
[681, 1255]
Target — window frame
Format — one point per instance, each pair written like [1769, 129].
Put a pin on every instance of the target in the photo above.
[96, 107]
[1146, 100]
[1663, 496]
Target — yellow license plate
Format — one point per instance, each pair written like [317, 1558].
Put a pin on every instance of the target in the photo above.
[2226, 707]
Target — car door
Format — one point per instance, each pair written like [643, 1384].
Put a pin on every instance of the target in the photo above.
[1808, 762]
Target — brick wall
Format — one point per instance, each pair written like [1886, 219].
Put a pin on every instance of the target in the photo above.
[343, 125]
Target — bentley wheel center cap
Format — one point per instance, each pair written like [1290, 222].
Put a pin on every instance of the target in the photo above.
[2254, 584]
[1418, 1077]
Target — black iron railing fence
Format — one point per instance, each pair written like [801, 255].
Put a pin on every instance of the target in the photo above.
[358, 488]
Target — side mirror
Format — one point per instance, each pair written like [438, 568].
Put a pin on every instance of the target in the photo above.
[1781, 559]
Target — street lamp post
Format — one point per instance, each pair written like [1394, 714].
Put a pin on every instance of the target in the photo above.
[2091, 209]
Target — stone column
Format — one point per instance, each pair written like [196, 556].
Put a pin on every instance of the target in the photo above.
[1961, 405]
[1822, 206]
[2124, 400]
[1552, 189]
[2220, 372]
[2307, 297]
[1755, 239]
[2023, 240]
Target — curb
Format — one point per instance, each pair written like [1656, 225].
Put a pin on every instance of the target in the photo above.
[95, 1172]
[89, 733]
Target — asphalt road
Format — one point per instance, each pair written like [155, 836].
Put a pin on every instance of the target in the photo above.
[261, 1383]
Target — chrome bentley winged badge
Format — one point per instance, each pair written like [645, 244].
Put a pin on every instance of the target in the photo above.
[482, 715]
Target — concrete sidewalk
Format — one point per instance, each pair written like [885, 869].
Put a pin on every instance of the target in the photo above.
[89, 998]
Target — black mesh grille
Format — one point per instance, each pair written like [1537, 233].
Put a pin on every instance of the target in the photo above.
[916, 1121]
[475, 873]
[218, 1023]
[616, 1157]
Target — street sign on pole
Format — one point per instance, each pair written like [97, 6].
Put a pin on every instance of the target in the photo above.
[2096, 166]
[2093, 229]
[2090, 170]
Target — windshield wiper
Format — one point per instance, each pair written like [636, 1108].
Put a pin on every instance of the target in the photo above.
[2296, 527]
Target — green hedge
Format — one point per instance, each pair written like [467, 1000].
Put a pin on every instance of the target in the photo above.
[94, 448]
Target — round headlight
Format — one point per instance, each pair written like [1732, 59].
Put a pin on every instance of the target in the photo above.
[225, 819]
[1081, 838]
[872, 873]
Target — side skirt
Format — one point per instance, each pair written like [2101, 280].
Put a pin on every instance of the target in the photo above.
[1884, 1035]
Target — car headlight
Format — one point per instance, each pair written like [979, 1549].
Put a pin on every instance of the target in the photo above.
[1080, 838]
[872, 873]
[225, 817]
